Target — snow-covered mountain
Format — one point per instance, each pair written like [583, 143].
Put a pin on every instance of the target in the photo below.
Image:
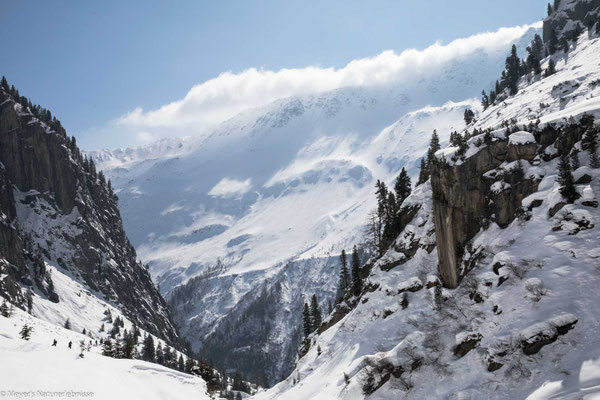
[76, 305]
[223, 217]
[522, 323]
[59, 213]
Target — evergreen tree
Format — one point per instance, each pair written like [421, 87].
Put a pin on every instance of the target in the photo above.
[556, 5]
[434, 146]
[115, 330]
[180, 363]
[402, 188]
[578, 31]
[468, 116]
[107, 348]
[356, 278]
[519, 171]
[344, 284]
[590, 143]
[329, 307]
[68, 324]
[513, 70]
[189, 365]
[498, 88]
[536, 53]
[148, 352]
[551, 68]
[390, 228]
[382, 200]
[160, 359]
[565, 179]
[4, 309]
[485, 100]
[136, 332]
[549, 9]
[26, 332]
[117, 349]
[564, 43]
[29, 299]
[101, 328]
[169, 356]
[306, 322]
[315, 313]
[423, 172]
[128, 345]
[552, 42]
[493, 97]
[575, 160]
[238, 396]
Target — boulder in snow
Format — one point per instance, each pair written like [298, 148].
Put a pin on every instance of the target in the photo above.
[465, 342]
[539, 335]
[413, 284]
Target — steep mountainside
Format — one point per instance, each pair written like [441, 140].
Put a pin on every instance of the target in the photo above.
[490, 291]
[58, 213]
[291, 181]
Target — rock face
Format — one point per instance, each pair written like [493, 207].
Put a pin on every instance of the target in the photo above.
[55, 207]
[11, 244]
[564, 19]
[463, 200]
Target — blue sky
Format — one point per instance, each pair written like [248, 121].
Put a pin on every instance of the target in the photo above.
[91, 62]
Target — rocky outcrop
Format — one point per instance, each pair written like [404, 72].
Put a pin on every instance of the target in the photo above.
[564, 19]
[543, 333]
[55, 206]
[13, 266]
[463, 201]
[465, 342]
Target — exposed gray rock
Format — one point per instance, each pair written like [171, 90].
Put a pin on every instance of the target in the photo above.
[462, 201]
[465, 342]
[44, 174]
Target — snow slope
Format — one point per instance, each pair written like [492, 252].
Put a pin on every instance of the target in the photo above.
[36, 367]
[548, 272]
[59, 368]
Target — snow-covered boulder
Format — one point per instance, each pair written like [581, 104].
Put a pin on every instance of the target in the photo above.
[465, 342]
[539, 335]
[413, 284]
[521, 137]
[521, 145]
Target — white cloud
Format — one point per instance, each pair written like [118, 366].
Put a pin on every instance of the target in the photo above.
[230, 187]
[218, 99]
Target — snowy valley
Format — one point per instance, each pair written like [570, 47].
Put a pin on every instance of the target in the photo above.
[209, 266]
[216, 243]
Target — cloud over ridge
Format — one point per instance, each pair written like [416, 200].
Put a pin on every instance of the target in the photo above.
[220, 98]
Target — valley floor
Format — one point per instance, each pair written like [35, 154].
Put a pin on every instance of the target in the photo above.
[39, 370]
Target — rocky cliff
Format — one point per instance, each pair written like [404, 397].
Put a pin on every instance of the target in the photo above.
[464, 200]
[569, 13]
[488, 185]
[56, 208]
